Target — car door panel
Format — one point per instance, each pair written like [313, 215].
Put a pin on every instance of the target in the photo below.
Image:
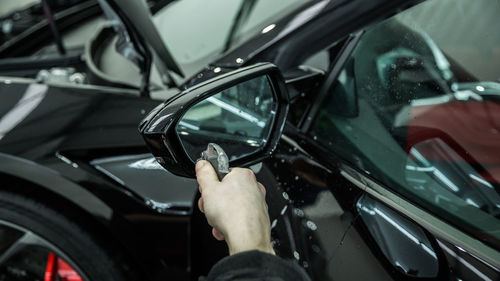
[361, 249]
[427, 256]
[308, 220]
[464, 265]
[402, 243]
[421, 210]
[354, 246]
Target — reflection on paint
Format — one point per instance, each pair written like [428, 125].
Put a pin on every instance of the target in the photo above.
[30, 100]
[146, 164]
[403, 243]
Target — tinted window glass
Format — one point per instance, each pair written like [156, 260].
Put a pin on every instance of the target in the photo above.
[417, 107]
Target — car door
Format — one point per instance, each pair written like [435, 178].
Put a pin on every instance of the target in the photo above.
[394, 173]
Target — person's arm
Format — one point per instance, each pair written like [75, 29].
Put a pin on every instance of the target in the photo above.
[254, 266]
[236, 209]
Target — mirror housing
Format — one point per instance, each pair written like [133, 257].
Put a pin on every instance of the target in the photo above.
[159, 128]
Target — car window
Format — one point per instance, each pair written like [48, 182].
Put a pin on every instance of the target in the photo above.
[417, 107]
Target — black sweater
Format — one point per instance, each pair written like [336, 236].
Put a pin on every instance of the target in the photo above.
[256, 266]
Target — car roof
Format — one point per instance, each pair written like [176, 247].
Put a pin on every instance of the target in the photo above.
[341, 16]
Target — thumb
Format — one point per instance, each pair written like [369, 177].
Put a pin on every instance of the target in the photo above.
[205, 175]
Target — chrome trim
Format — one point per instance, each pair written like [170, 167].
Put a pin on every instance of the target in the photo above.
[433, 224]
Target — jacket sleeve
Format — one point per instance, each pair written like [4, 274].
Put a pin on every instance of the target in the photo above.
[255, 266]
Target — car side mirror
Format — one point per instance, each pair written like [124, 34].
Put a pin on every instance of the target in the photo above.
[243, 111]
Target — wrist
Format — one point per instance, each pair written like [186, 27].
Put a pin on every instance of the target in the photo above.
[248, 242]
[244, 248]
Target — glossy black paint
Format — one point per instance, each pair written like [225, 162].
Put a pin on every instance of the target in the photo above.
[76, 150]
[340, 244]
[158, 128]
[48, 155]
[398, 237]
[304, 32]
[131, 170]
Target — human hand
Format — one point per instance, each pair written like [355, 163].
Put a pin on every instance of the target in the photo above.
[235, 207]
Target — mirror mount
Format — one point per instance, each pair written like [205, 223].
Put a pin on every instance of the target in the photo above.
[159, 128]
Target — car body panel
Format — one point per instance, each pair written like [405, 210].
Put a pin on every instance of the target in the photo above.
[49, 179]
[163, 190]
[344, 243]
[56, 110]
[51, 133]
[96, 130]
[307, 211]
[287, 38]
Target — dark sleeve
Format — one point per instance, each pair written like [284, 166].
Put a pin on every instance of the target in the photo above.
[254, 266]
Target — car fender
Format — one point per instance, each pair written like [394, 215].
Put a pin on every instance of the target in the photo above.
[51, 180]
[40, 177]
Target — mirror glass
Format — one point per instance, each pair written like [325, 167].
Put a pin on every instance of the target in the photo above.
[239, 119]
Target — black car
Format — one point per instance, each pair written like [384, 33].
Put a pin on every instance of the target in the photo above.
[374, 126]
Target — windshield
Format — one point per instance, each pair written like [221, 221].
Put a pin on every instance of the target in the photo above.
[196, 31]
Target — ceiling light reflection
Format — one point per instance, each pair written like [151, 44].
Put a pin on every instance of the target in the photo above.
[268, 28]
[405, 232]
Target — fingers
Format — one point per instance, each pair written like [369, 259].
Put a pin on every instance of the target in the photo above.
[205, 175]
[217, 234]
[262, 188]
[241, 173]
[200, 205]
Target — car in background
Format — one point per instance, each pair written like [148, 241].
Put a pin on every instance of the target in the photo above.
[374, 132]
